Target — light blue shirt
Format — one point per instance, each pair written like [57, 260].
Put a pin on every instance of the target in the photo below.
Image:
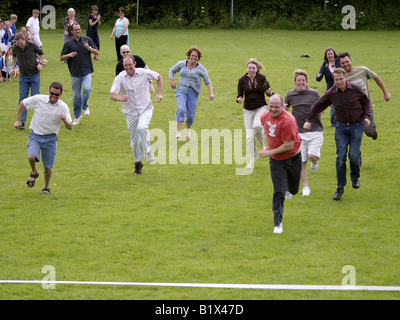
[189, 77]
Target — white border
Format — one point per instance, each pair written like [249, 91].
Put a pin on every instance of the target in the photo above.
[214, 285]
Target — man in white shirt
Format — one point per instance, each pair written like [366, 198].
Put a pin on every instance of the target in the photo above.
[136, 105]
[49, 111]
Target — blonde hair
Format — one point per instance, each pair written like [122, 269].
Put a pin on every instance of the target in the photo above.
[256, 62]
[300, 72]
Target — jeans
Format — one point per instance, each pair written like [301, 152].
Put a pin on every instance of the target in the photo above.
[285, 175]
[81, 88]
[26, 82]
[348, 138]
[187, 103]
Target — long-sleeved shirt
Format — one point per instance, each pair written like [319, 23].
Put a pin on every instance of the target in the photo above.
[253, 91]
[189, 77]
[351, 105]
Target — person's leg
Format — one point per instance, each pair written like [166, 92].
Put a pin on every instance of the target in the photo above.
[294, 169]
[342, 139]
[136, 144]
[259, 132]
[76, 96]
[49, 152]
[248, 117]
[354, 150]
[86, 89]
[181, 101]
[279, 180]
[33, 146]
[193, 97]
[143, 128]
[24, 86]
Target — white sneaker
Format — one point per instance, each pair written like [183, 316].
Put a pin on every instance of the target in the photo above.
[314, 167]
[306, 191]
[76, 121]
[150, 157]
[86, 112]
[288, 195]
[278, 229]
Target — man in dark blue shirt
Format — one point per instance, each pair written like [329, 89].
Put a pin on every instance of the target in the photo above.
[77, 52]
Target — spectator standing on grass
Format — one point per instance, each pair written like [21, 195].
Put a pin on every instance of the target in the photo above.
[121, 32]
[125, 51]
[353, 112]
[188, 89]
[69, 21]
[49, 111]
[33, 28]
[77, 52]
[133, 86]
[93, 24]
[301, 100]
[252, 88]
[360, 76]
[331, 62]
[284, 155]
[30, 60]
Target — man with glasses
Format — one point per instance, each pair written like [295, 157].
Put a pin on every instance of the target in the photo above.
[77, 52]
[29, 68]
[49, 111]
[125, 51]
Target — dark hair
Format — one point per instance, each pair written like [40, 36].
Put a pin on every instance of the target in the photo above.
[344, 54]
[56, 85]
[19, 36]
[326, 52]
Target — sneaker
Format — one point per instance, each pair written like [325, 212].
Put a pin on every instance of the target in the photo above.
[278, 229]
[314, 167]
[76, 121]
[86, 112]
[306, 191]
[150, 157]
[288, 195]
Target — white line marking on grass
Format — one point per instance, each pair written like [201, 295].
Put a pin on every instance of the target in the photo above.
[213, 285]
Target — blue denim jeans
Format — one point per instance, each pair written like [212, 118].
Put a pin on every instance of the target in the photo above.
[26, 82]
[81, 88]
[187, 104]
[348, 139]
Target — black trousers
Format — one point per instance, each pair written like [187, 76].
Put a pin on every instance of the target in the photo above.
[118, 43]
[285, 175]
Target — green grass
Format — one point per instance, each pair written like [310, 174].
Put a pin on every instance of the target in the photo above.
[198, 222]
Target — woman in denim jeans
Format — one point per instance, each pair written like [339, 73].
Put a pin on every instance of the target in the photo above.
[188, 88]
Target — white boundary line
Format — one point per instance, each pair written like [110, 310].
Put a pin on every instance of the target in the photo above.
[214, 285]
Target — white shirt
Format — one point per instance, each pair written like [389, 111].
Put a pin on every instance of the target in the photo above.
[33, 24]
[46, 118]
[136, 88]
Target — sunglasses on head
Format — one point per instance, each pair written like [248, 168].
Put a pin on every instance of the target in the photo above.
[55, 94]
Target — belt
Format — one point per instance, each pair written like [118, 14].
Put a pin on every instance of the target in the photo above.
[295, 157]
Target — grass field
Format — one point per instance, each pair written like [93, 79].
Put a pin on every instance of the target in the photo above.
[199, 222]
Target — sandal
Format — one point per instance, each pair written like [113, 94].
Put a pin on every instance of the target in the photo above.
[46, 191]
[31, 183]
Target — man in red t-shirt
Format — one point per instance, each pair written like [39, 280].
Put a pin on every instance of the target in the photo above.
[284, 151]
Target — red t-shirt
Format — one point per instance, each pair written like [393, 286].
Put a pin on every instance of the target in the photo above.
[279, 129]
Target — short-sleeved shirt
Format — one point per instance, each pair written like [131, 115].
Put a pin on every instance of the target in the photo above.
[137, 89]
[27, 58]
[280, 129]
[46, 117]
[80, 65]
[189, 78]
[120, 66]
[253, 92]
[301, 102]
[360, 76]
